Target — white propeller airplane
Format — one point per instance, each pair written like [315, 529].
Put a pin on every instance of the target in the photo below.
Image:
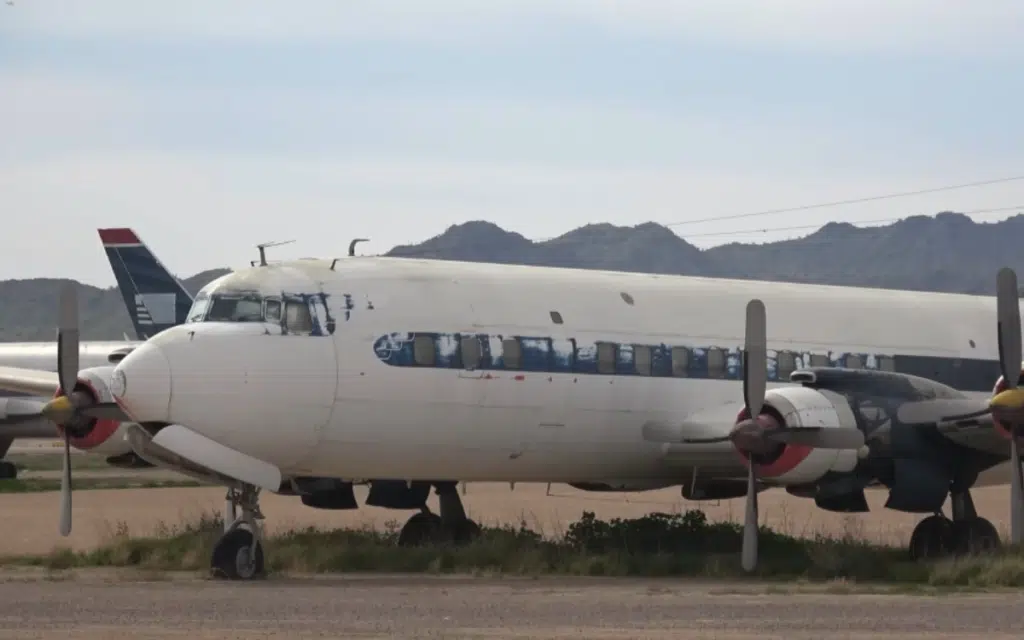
[426, 372]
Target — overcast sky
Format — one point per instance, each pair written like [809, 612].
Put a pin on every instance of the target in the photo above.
[210, 126]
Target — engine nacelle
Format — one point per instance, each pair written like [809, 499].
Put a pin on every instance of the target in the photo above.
[105, 437]
[788, 464]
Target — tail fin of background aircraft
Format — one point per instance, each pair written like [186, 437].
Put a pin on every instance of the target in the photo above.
[155, 299]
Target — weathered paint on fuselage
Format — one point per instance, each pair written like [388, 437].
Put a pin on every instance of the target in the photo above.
[350, 411]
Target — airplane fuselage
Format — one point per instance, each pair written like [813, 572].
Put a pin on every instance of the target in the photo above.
[419, 370]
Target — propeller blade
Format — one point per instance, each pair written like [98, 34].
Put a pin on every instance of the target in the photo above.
[938, 411]
[818, 437]
[1008, 315]
[755, 358]
[1016, 494]
[105, 411]
[749, 556]
[65, 489]
[67, 339]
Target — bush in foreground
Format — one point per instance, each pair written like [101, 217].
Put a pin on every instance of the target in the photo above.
[656, 545]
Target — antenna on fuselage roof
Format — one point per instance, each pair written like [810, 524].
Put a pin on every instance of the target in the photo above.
[351, 250]
[263, 251]
[352, 245]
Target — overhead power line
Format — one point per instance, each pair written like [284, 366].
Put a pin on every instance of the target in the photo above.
[837, 203]
[739, 232]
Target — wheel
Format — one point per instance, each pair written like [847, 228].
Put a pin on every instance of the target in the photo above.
[932, 538]
[464, 532]
[231, 556]
[422, 528]
[974, 536]
[8, 471]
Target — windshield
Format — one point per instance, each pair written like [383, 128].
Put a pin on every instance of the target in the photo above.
[293, 316]
[235, 308]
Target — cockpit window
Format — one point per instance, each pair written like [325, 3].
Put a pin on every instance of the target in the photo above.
[235, 308]
[297, 318]
[199, 307]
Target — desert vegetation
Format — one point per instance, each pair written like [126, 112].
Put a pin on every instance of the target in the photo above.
[660, 544]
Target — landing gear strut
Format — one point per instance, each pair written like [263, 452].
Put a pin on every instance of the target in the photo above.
[450, 526]
[967, 533]
[7, 470]
[238, 555]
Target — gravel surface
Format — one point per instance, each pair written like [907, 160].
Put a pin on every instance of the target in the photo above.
[441, 607]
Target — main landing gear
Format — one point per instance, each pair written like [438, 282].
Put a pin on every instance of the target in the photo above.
[238, 555]
[451, 525]
[937, 536]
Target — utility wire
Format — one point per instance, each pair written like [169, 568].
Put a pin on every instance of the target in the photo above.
[837, 203]
[1019, 207]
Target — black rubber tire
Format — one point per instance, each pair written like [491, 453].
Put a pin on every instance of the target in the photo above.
[975, 536]
[464, 532]
[932, 539]
[423, 528]
[8, 471]
[226, 561]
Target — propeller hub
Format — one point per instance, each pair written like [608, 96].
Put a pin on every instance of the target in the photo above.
[748, 435]
[1008, 408]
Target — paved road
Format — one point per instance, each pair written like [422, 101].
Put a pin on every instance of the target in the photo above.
[418, 607]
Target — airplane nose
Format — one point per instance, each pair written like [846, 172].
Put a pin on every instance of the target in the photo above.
[141, 384]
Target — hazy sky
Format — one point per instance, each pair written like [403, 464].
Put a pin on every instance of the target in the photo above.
[210, 126]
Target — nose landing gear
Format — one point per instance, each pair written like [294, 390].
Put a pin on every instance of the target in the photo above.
[238, 555]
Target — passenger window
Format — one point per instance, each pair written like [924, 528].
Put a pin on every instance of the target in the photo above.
[854, 361]
[511, 353]
[886, 363]
[642, 360]
[785, 364]
[606, 354]
[680, 362]
[471, 352]
[423, 351]
[273, 311]
[297, 318]
[820, 360]
[716, 363]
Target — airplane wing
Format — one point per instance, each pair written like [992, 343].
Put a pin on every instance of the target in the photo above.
[34, 382]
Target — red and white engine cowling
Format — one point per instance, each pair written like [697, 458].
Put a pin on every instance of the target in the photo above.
[790, 464]
[999, 387]
[105, 437]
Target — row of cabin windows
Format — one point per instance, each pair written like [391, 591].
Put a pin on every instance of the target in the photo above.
[471, 353]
